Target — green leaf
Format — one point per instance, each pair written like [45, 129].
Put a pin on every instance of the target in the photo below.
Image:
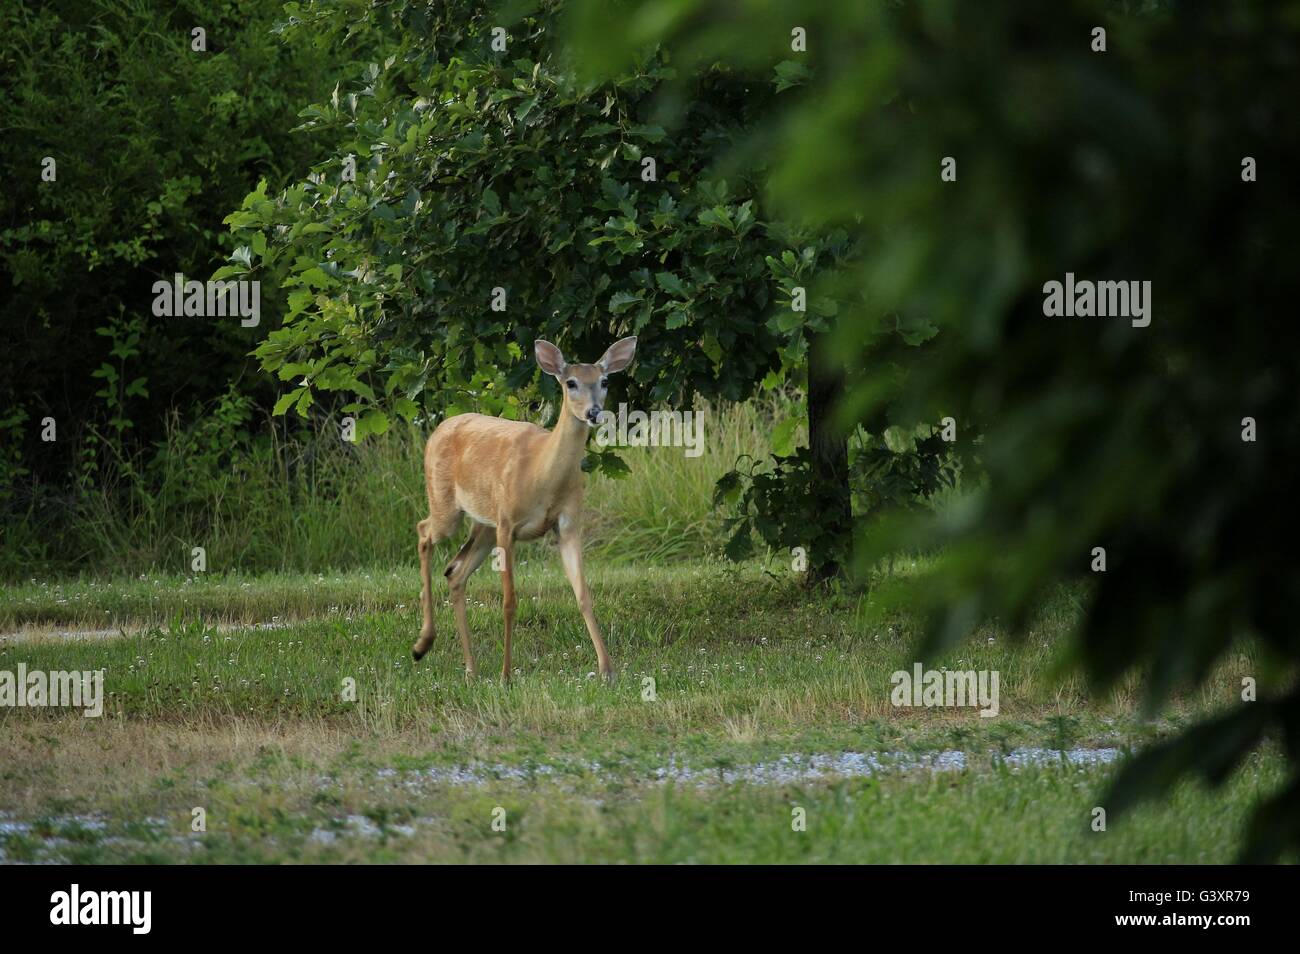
[648, 133]
[528, 105]
[315, 277]
[621, 301]
[373, 421]
[717, 216]
[791, 73]
[671, 284]
[783, 437]
[741, 545]
[286, 401]
[789, 320]
[727, 489]
[709, 345]
[606, 462]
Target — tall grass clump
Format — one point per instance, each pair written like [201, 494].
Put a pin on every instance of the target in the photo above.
[663, 510]
[311, 502]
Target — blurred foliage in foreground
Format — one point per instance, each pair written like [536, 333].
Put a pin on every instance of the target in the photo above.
[1125, 164]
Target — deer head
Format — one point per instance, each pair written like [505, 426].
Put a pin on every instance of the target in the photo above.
[584, 385]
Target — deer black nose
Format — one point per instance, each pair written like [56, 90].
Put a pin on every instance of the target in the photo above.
[593, 413]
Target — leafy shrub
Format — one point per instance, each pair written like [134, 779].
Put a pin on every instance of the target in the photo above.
[153, 142]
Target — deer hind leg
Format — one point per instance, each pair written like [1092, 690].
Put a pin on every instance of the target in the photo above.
[431, 531]
[462, 566]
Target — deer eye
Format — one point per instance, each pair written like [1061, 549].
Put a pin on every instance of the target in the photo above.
[571, 383]
[604, 382]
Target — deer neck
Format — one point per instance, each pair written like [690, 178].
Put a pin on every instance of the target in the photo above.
[566, 446]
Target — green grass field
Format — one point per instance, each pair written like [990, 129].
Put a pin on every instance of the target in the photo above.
[765, 701]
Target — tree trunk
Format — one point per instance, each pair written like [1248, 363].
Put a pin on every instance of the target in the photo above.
[829, 449]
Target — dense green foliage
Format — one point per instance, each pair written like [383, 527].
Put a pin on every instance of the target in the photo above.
[475, 170]
[479, 170]
[152, 143]
[1125, 165]
[482, 196]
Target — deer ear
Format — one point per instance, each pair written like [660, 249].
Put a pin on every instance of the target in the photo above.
[619, 355]
[549, 358]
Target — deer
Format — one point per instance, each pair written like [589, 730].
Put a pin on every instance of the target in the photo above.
[515, 481]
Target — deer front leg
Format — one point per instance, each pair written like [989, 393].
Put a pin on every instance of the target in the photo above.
[505, 540]
[571, 555]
